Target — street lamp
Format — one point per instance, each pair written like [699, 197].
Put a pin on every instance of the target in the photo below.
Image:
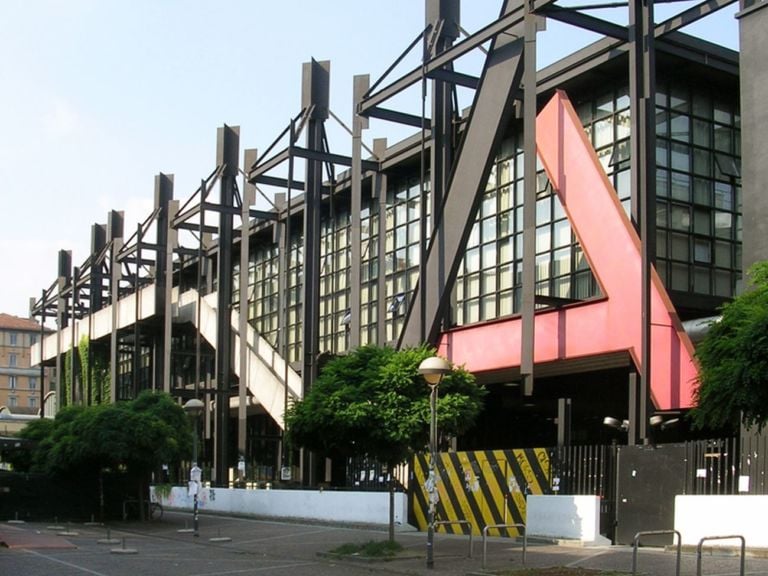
[194, 407]
[433, 370]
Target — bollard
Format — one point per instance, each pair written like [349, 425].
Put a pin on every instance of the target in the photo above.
[220, 538]
[519, 526]
[123, 549]
[108, 539]
[743, 541]
[636, 543]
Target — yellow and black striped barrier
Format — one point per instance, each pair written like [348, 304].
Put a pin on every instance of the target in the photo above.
[484, 487]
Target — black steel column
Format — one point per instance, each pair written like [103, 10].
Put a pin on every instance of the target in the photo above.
[642, 90]
[171, 243]
[529, 205]
[77, 395]
[227, 155]
[95, 303]
[315, 94]
[64, 279]
[443, 16]
[248, 198]
[282, 231]
[379, 192]
[563, 465]
[635, 428]
[492, 109]
[98, 242]
[42, 341]
[115, 235]
[163, 197]
[564, 406]
[136, 365]
[359, 123]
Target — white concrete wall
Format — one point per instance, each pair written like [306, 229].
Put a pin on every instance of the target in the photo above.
[700, 516]
[567, 517]
[326, 505]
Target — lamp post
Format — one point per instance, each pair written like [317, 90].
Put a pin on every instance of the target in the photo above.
[433, 370]
[194, 407]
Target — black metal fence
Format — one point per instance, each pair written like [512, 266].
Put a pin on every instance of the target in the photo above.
[753, 462]
[712, 466]
[720, 466]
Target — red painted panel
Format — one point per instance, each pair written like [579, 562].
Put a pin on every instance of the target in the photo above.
[612, 248]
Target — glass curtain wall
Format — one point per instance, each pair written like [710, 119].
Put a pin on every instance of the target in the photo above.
[698, 211]
[698, 227]
[369, 274]
[334, 281]
[698, 207]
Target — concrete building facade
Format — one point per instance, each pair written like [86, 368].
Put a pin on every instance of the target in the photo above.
[23, 387]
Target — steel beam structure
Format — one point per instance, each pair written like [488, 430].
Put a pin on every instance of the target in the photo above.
[642, 95]
[163, 198]
[511, 16]
[315, 98]
[172, 240]
[359, 123]
[227, 156]
[443, 25]
[492, 109]
[457, 177]
[248, 199]
[115, 235]
[528, 308]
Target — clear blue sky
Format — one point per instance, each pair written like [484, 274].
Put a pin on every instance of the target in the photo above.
[98, 96]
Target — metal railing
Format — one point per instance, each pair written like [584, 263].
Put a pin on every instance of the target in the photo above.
[490, 526]
[701, 543]
[460, 522]
[636, 543]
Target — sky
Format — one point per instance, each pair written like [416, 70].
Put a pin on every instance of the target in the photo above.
[99, 96]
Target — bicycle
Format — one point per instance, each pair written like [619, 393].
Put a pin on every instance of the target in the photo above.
[154, 510]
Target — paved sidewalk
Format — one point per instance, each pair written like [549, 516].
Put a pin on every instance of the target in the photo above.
[259, 547]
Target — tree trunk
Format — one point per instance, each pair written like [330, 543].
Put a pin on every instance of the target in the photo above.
[142, 515]
[391, 470]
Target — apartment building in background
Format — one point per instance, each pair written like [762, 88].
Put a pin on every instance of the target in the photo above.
[23, 388]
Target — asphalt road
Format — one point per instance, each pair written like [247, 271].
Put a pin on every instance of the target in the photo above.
[259, 547]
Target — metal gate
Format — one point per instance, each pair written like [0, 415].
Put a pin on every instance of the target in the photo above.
[649, 478]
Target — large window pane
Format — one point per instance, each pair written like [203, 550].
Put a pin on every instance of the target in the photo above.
[702, 133]
[723, 254]
[681, 157]
[680, 217]
[701, 280]
[723, 224]
[543, 239]
[723, 196]
[680, 127]
[680, 277]
[702, 221]
[702, 162]
[681, 186]
[680, 247]
[702, 251]
[562, 262]
[562, 234]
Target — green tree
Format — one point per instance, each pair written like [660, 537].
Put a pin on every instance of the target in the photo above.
[733, 358]
[132, 438]
[373, 402]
